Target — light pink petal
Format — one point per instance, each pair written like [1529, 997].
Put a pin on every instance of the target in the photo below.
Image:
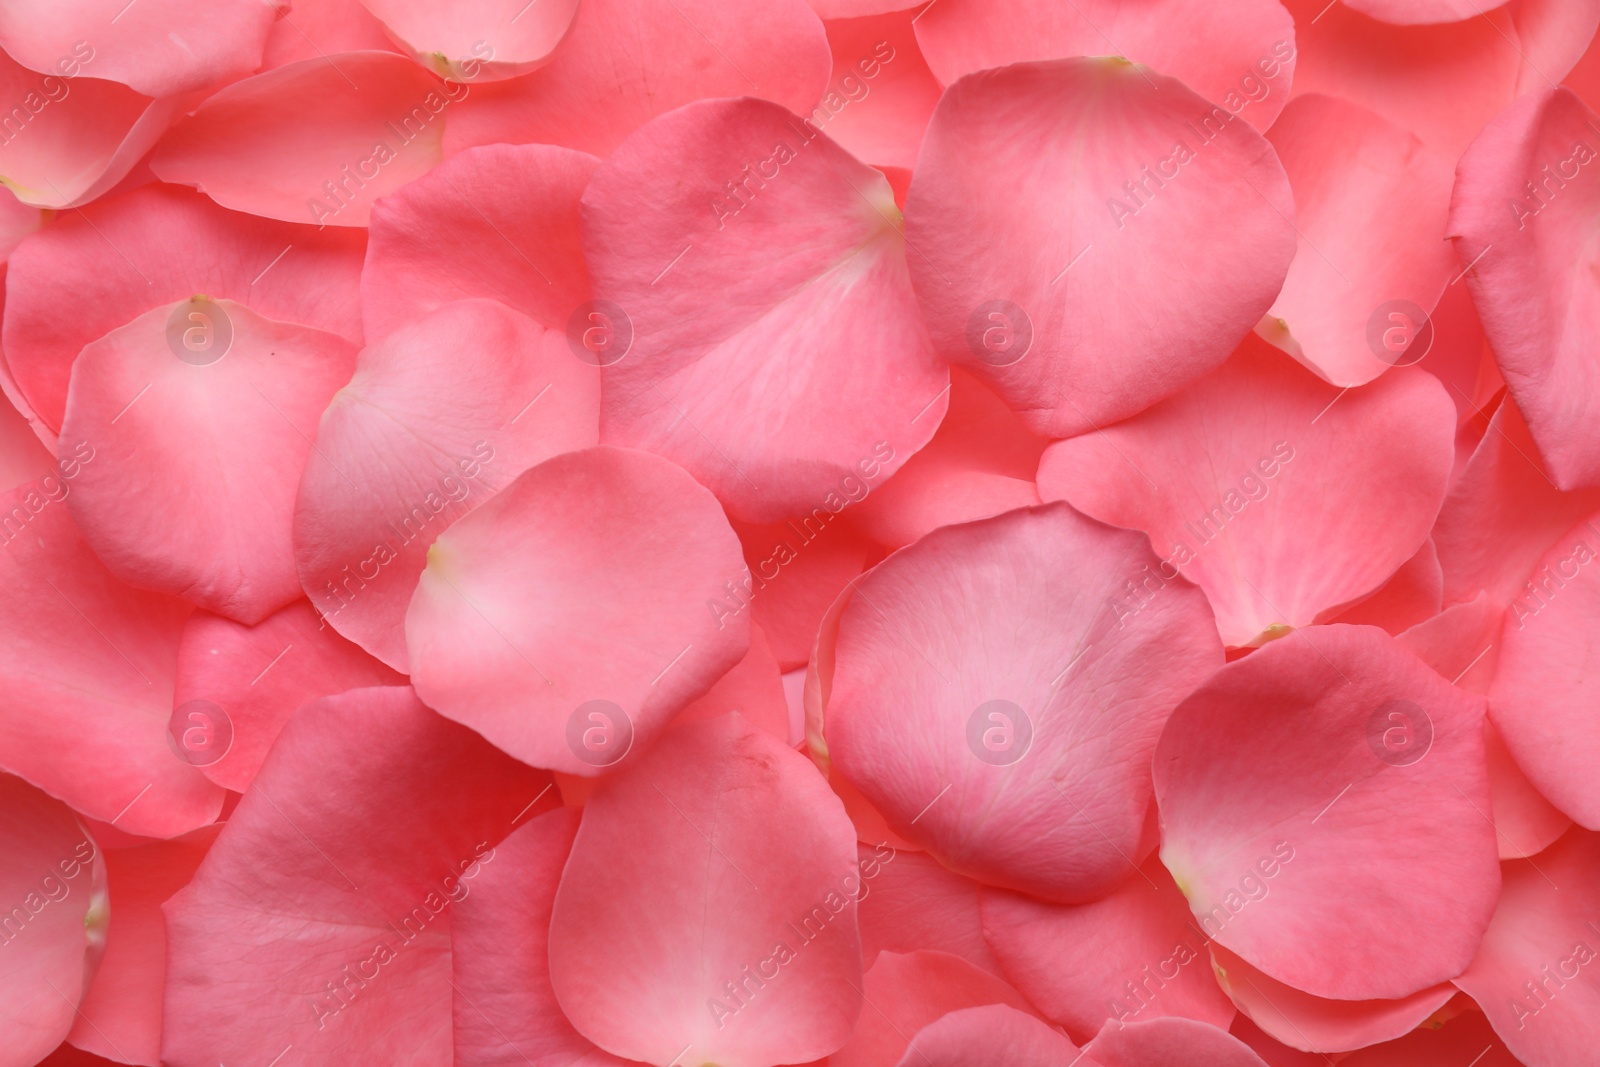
[250, 679]
[981, 462]
[881, 94]
[87, 664]
[506, 1014]
[1463, 644]
[1065, 254]
[1273, 1051]
[1412, 595]
[1021, 763]
[1316, 1024]
[1523, 215]
[852, 9]
[911, 902]
[1502, 514]
[69, 139]
[753, 688]
[1456, 1042]
[159, 47]
[1270, 824]
[626, 61]
[905, 993]
[201, 415]
[1543, 695]
[441, 414]
[499, 222]
[1440, 82]
[1132, 957]
[1162, 1042]
[683, 918]
[316, 141]
[745, 366]
[995, 1033]
[474, 39]
[321, 917]
[23, 458]
[1240, 55]
[120, 1017]
[1279, 496]
[796, 570]
[317, 28]
[577, 600]
[1529, 975]
[124, 255]
[1421, 12]
[53, 885]
[1371, 203]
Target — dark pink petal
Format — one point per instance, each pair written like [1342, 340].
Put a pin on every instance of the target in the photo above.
[981, 462]
[905, 993]
[321, 917]
[881, 94]
[506, 1013]
[796, 570]
[1133, 956]
[1455, 1042]
[441, 414]
[317, 28]
[991, 696]
[1240, 56]
[1412, 595]
[482, 39]
[498, 222]
[579, 595]
[259, 676]
[160, 47]
[201, 415]
[1502, 514]
[87, 664]
[626, 61]
[1544, 691]
[53, 886]
[1343, 844]
[120, 1016]
[1163, 1042]
[122, 256]
[682, 918]
[913, 902]
[1529, 975]
[1522, 215]
[1279, 495]
[995, 1033]
[1078, 307]
[1371, 203]
[1316, 1024]
[316, 141]
[760, 392]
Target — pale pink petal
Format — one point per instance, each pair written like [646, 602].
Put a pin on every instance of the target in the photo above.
[1163, 1042]
[441, 414]
[1280, 496]
[1342, 844]
[200, 415]
[1023, 763]
[320, 919]
[760, 392]
[313, 29]
[577, 600]
[1422, 12]
[1412, 595]
[1066, 255]
[682, 918]
[988, 1034]
[474, 39]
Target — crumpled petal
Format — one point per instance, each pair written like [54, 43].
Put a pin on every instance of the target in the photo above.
[1067, 256]
[681, 918]
[760, 392]
[1021, 763]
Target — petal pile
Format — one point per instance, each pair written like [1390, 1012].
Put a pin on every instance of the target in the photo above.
[832, 533]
